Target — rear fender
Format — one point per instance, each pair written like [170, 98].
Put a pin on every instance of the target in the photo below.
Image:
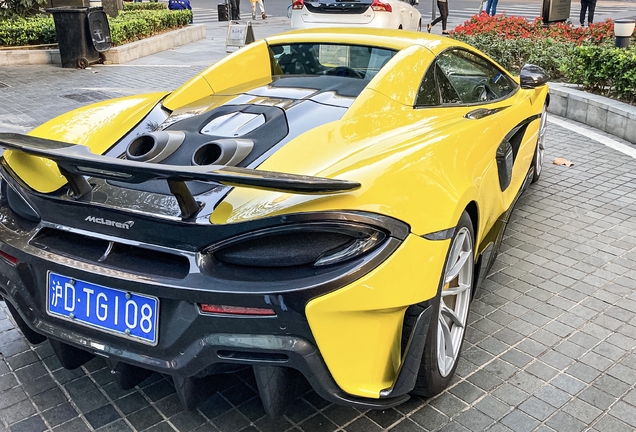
[98, 126]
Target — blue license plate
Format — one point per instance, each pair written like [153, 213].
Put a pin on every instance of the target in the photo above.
[114, 311]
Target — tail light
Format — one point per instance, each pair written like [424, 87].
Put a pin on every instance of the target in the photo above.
[379, 6]
[9, 258]
[298, 4]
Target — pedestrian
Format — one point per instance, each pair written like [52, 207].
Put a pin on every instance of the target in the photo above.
[236, 9]
[589, 6]
[180, 5]
[442, 5]
[491, 7]
[260, 4]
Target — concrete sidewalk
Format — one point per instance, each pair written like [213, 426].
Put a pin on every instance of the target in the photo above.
[551, 339]
[31, 95]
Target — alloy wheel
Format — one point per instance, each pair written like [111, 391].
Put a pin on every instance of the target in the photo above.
[541, 142]
[455, 301]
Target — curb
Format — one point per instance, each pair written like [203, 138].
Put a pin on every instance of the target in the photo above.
[611, 116]
[116, 55]
[162, 42]
[29, 57]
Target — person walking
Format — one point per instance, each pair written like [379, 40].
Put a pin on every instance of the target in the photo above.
[442, 5]
[587, 6]
[260, 4]
[235, 6]
[491, 7]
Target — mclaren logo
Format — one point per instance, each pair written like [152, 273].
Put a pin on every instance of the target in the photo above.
[102, 221]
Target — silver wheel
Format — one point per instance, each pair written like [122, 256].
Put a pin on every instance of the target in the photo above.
[538, 155]
[454, 301]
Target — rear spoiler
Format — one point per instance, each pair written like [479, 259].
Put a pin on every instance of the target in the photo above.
[76, 161]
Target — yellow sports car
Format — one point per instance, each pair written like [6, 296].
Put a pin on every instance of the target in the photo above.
[319, 204]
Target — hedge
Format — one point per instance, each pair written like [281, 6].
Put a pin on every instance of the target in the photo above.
[513, 27]
[578, 55]
[512, 54]
[128, 26]
[27, 31]
[604, 70]
[144, 6]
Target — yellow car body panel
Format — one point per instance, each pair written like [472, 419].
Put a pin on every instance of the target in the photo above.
[356, 326]
[393, 82]
[97, 126]
[387, 146]
[243, 70]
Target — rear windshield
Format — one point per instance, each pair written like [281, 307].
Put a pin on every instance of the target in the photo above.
[352, 61]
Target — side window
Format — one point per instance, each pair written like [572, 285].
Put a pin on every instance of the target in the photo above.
[428, 95]
[436, 89]
[475, 79]
[447, 90]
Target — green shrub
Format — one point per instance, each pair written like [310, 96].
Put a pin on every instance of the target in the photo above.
[127, 27]
[515, 27]
[27, 31]
[579, 55]
[144, 6]
[133, 25]
[604, 70]
[513, 53]
[19, 8]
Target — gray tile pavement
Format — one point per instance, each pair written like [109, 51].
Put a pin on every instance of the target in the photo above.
[552, 335]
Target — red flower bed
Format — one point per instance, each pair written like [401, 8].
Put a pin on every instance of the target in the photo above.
[510, 27]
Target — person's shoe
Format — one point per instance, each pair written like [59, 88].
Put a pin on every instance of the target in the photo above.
[429, 27]
[263, 15]
[444, 32]
[253, 15]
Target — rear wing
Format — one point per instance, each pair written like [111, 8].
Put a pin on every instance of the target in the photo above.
[76, 161]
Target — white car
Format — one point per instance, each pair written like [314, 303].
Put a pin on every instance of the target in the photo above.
[395, 14]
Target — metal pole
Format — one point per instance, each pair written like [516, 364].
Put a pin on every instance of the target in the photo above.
[433, 9]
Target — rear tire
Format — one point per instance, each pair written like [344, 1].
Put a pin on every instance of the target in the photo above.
[450, 314]
[537, 160]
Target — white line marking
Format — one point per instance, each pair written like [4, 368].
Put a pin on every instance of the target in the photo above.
[606, 141]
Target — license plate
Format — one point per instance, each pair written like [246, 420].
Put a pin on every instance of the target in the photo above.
[126, 314]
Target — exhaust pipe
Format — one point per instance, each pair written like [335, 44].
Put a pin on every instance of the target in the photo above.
[223, 152]
[154, 146]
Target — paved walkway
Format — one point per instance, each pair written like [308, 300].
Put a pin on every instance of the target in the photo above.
[552, 331]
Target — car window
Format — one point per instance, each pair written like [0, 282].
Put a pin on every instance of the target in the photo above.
[428, 95]
[436, 89]
[353, 61]
[475, 79]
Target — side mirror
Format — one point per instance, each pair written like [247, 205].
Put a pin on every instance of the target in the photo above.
[532, 76]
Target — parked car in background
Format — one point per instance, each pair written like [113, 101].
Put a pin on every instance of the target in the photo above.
[322, 217]
[389, 14]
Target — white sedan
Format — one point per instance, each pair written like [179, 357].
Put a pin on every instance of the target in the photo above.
[396, 14]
